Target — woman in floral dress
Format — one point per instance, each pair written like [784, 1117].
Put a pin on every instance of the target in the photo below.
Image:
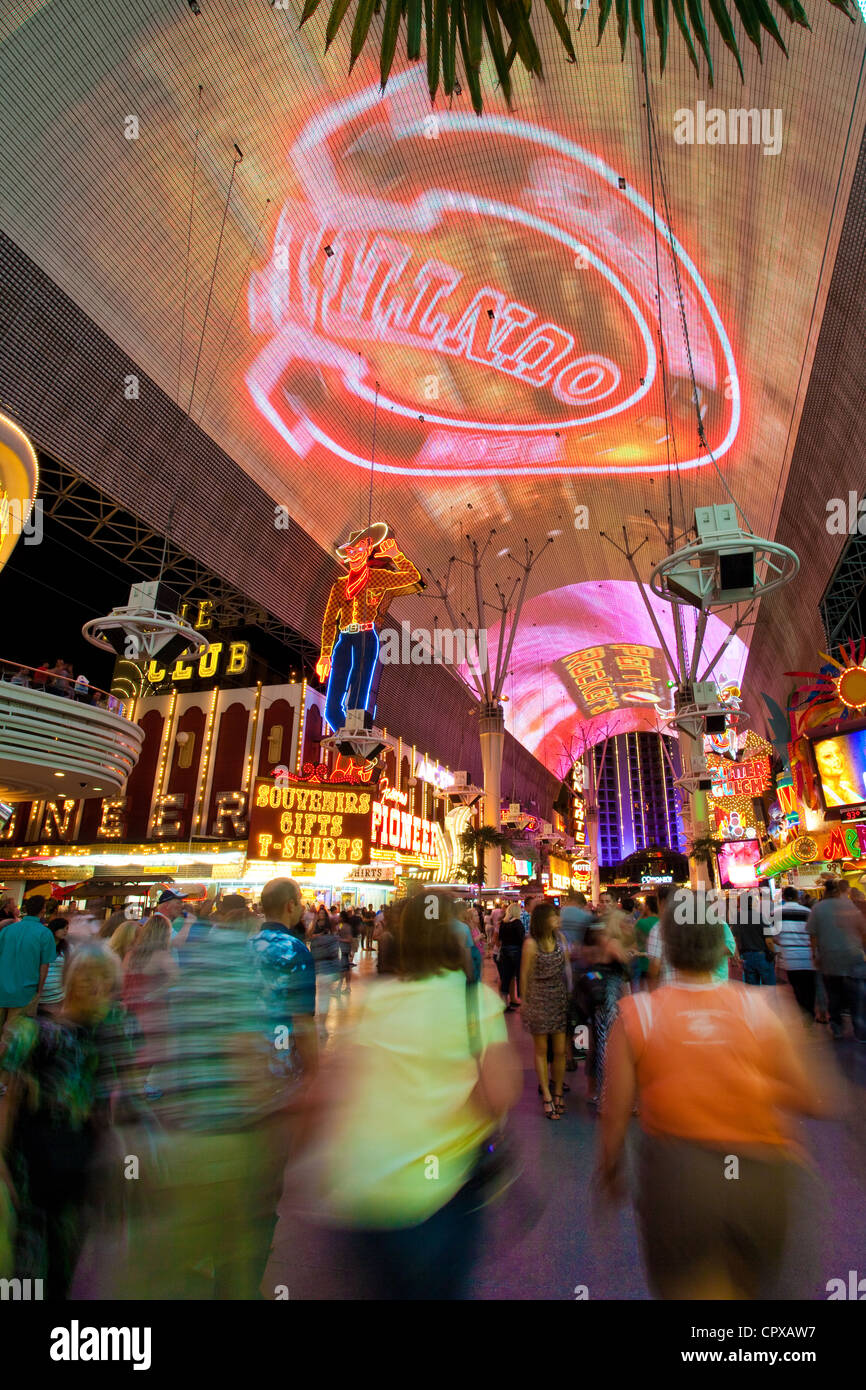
[545, 986]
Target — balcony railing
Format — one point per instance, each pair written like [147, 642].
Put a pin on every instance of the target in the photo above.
[53, 744]
[37, 678]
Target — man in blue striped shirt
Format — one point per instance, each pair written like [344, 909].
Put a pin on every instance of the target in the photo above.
[794, 949]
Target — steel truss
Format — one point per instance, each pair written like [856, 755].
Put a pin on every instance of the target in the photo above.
[839, 606]
[95, 518]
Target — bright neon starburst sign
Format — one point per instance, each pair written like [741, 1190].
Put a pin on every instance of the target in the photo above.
[828, 693]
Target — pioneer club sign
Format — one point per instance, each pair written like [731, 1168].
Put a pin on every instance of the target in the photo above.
[500, 322]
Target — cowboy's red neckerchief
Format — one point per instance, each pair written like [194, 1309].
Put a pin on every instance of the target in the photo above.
[357, 581]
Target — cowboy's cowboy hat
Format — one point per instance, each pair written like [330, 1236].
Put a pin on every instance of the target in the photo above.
[375, 534]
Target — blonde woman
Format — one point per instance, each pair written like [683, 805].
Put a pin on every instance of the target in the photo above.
[149, 969]
[510, 937]
[123, 937]
[53, 1116]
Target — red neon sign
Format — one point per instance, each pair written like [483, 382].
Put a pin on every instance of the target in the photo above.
[750, 778]
[500, 322]
[347, 772]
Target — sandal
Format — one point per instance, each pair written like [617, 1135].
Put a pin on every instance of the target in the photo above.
[550, 1110]
[559, 1105]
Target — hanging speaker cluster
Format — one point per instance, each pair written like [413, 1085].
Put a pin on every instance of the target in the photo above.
[726, 566]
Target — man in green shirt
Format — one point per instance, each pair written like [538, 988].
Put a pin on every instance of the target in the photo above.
[26, 951]
[642, 928]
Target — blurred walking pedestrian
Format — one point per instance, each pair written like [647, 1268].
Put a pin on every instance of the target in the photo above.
[545, 987]
[26, 950]
[642, 928]
[427, 1083]
[325, 950]
[717, 1069]
[837, 931]
[51, 1001]
[754, 932]
[794, 950]
[509, 938]
[56, 1109]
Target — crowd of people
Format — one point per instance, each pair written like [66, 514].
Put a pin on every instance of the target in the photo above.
[59, 679]
[193, 1042]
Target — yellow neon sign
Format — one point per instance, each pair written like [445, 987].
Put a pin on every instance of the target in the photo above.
[235, 656]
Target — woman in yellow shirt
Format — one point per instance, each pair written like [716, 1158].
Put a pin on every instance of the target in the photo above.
[429, 1074]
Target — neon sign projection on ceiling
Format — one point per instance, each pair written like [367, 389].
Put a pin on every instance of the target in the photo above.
[506, 320]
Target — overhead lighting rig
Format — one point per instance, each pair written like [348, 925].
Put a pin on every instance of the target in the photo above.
[462, 792]
[139, 631]
[727, 565]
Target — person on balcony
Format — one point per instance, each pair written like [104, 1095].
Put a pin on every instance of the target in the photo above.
[60, 678]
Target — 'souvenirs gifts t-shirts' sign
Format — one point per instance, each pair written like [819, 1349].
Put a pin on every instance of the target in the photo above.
[301, 824]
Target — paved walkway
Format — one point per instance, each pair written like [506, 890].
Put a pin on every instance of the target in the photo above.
[571, 1245]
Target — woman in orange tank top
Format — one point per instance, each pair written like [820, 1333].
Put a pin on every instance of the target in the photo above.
[718, 1071]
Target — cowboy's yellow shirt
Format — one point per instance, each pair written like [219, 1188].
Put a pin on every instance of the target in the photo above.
[371, 603]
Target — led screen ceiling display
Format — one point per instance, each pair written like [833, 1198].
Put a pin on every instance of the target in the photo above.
[479, 293]
[618, 676]
[546, 710]
[507, 315]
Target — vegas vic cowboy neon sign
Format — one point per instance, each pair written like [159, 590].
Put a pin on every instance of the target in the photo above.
[376, 572]
[509, 334]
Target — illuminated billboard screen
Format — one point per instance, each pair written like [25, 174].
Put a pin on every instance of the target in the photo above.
[841, 764]
[616, 676]
[545, 701]
[535, 354]
[737, 862]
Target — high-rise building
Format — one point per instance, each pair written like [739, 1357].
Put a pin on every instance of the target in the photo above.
[638, 804]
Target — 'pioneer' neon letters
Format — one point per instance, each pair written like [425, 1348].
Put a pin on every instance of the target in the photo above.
[393, 828]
